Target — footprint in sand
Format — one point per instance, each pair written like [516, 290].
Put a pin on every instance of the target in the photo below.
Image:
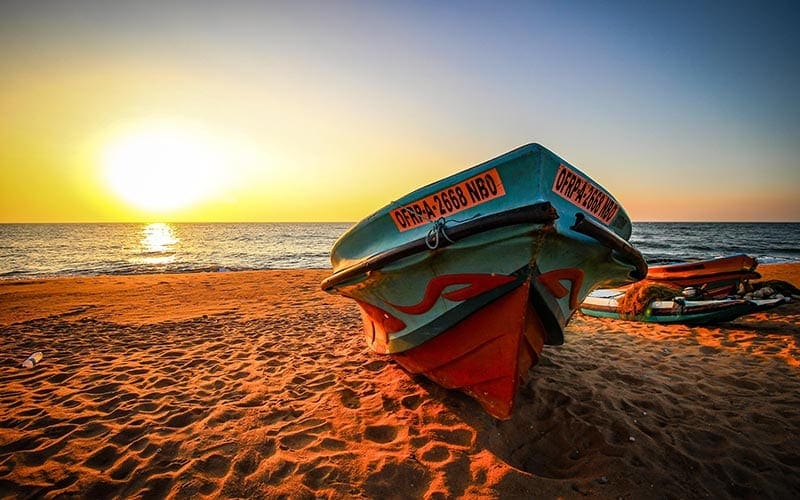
[349, 398]
[322, 475]
[708, 350]
[267, 448]
[390, 404]
[124, 469]
[436, 454]
[33, 412]
[215, 465]
[298, 440]
[251, 401]
[38, 457]
[130, 433]
[456, 437]
[69, 480]
[412, 402]
[273, 415]
[221, 416]
[183, 419]
[157, 487]
[321, 383]
[247, 464]
[147, 448]
[102, 489]
[60, 378]
[70, 403]
[103, 458]
[281, 472]
[375, 366]
[383, 483]
[59, 430]
[109, 388]
[381, 433]
[91, 430]
[164, 382]
[332, 444]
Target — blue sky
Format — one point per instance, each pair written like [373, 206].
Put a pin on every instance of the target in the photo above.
[683, 110]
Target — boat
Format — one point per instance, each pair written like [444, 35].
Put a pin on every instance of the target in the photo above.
[466, 279]
[604, 303]
[712, 278]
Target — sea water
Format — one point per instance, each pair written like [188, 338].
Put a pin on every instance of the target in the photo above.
[769, 242]
[44, 250]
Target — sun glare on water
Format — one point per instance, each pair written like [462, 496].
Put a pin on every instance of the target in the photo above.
[158, 244]
[161, 169]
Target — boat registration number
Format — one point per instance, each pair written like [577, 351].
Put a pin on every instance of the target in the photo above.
[579, 191]
[450, 200]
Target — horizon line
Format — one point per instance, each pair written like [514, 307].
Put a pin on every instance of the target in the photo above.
[354, 222]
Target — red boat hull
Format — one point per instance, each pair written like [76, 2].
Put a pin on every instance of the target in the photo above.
[486, 354]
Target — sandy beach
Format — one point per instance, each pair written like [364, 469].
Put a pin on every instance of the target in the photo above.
[259, 385]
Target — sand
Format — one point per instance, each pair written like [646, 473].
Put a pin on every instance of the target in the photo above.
[259, 385]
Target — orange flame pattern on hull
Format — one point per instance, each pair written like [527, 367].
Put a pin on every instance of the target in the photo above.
[552, 281]
[476, 285]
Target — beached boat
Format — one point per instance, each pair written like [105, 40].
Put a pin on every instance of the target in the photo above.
[465, 280]
[604, 303]
[713, 278]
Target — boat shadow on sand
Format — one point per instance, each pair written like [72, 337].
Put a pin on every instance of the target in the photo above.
[546, 435]
[656, 400]
[783, 320]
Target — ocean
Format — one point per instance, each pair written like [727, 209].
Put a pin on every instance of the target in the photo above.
[48, 250]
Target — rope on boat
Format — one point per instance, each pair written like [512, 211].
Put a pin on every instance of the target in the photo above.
[438, 230]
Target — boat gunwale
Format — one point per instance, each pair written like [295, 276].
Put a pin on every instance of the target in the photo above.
[612, 240]
[700, 264]
[539, 213]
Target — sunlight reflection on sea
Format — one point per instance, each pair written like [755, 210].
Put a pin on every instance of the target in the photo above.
[158, 240]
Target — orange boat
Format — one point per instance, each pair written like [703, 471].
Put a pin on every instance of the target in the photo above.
[712, 278]
[465, 280]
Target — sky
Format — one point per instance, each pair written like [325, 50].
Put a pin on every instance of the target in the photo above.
[326, 111]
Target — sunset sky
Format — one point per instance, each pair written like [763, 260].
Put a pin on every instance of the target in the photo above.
[306, 111]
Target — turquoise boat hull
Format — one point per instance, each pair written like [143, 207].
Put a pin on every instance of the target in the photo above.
[603, 304]
[504, 250]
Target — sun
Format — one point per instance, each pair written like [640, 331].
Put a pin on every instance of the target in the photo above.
[161, 169]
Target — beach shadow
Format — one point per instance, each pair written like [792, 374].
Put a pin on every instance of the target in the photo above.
[767, 334]
[545, 435]
[768, 324]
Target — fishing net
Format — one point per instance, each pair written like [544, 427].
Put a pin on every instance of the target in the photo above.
[639, 296]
